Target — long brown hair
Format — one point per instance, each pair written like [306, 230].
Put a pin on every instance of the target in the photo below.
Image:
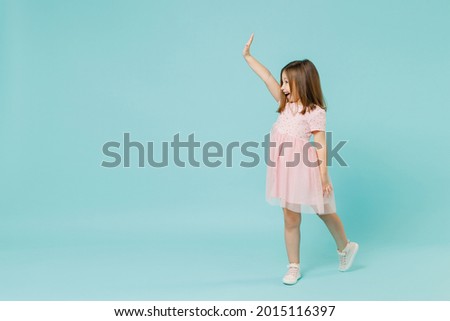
[304, 83]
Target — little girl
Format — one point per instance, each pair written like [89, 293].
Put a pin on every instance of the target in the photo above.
[297, 176]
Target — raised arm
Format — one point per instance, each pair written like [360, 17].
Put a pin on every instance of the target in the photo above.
[261, 71]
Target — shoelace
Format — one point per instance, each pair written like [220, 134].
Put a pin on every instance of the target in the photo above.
[292, 272]
[343, 257]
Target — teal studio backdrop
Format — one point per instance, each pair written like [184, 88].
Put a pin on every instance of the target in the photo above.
[75, 75]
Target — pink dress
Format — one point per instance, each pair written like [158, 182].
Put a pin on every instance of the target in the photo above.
[293, 175]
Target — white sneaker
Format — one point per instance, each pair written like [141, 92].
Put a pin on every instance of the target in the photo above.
[347, 256]
[293, 274]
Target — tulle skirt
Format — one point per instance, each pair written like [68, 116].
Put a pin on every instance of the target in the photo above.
[293, 176]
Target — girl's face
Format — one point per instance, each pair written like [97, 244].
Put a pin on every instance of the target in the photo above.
[285, 86]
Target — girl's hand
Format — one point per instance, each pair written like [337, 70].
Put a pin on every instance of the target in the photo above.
[246, 51]
[326, 186]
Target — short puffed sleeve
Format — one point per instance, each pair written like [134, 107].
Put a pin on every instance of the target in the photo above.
[317, 119]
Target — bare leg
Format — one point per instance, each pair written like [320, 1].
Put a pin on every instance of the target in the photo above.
[292, 222]
[336, 228]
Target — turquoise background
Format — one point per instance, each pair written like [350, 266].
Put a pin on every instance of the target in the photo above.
[77, 74]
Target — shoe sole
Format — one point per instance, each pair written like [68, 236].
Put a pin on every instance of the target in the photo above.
[294, 282]
[350, 263]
